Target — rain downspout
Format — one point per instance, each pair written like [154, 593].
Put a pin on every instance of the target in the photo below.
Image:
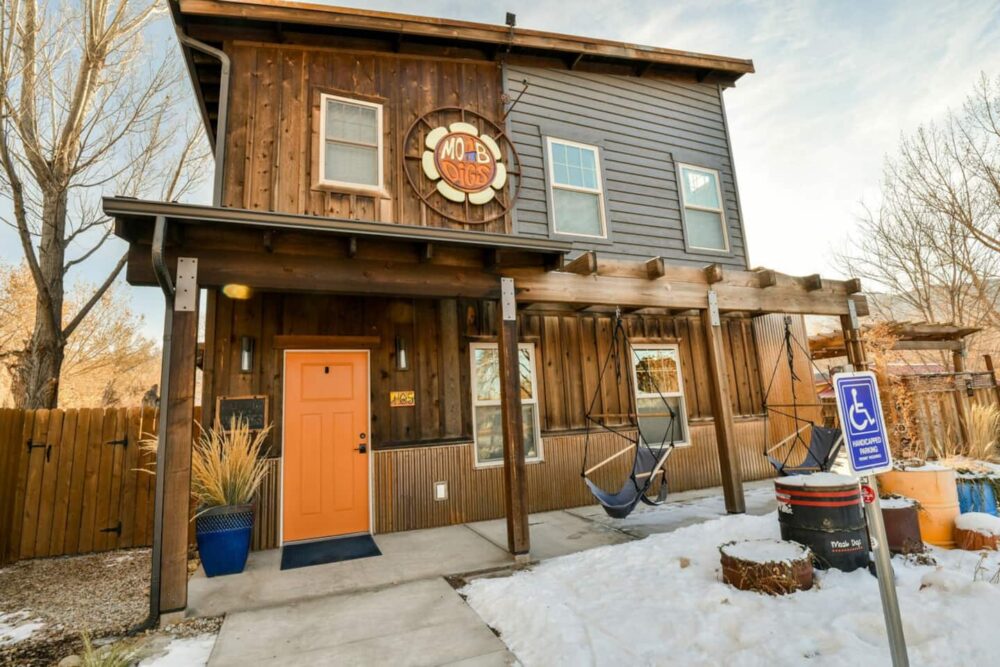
[166, 284]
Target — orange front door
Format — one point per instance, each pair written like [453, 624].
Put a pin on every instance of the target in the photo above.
[326, 445]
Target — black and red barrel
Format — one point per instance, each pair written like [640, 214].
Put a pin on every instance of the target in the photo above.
[824, 512]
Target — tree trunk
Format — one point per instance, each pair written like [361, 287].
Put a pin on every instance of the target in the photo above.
[36, 369]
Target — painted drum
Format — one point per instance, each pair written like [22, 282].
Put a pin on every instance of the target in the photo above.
[976, 494]
[932, 486]
[902, 525]
[824, 512]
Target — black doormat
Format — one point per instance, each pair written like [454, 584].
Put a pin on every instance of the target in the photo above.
[328, 551]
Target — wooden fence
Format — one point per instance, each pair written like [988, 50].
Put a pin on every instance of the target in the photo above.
[936, 399]
[74, 481]
[77, 481]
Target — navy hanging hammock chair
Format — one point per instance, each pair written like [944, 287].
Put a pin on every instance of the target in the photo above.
[648, 435]
[824, 443]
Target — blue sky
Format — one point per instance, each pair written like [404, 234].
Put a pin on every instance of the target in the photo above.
[836, 85]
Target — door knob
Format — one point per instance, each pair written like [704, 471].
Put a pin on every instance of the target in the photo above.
[361, 448]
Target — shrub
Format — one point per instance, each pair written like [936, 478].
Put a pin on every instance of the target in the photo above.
[227, 466]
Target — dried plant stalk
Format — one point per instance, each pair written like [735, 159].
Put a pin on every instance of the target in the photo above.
[227, 466]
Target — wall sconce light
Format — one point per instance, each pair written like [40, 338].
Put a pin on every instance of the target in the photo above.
[237, 291]
[246, 354]
[402, 362]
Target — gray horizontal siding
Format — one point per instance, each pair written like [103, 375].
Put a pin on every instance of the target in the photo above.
[642, 126]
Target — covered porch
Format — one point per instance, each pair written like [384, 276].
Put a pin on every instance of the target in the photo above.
[303, 255]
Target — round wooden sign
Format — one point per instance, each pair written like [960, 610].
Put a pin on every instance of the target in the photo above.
[463, 166]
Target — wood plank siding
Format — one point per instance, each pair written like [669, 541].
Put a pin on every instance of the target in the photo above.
[642, 126]
[404, 478]
[274, 115]
[569, 349]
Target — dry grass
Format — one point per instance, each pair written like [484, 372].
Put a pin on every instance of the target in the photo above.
[227, 466]
[898, 405]
[119, 654]
[984, 431]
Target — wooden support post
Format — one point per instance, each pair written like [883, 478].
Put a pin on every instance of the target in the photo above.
[514, 469]
[961, 398]
[722, 410]
[988, 358]
[853, 346]
[177, 452]
[852, 285]
[714, 274]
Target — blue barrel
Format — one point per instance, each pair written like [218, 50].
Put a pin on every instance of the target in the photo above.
[223, 535]
[976, 494]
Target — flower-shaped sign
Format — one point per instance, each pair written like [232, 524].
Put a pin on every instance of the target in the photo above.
[466, 164]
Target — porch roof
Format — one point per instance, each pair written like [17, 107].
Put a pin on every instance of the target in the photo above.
[134, 219]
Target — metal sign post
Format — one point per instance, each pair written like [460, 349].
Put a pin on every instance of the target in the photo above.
[868, 452]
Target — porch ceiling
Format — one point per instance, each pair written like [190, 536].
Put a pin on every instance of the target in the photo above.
[284, 252]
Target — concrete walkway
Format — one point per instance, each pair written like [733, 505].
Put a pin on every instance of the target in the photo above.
[398, 608]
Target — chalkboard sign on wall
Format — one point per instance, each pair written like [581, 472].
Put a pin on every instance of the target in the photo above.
[253, 409]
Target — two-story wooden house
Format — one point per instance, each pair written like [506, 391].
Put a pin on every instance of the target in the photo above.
[420, 234]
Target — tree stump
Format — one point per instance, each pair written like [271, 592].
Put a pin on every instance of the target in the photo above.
[976, 531]
[774, 567]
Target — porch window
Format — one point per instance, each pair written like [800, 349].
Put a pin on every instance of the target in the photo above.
[487, 424]
[576, 191]
[657, 373]
[351, 132]
[704, 220]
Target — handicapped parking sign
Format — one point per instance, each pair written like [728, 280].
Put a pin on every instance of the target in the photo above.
[862, 423]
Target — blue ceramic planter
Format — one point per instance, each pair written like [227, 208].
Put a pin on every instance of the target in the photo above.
[223, 535]
[976, 494]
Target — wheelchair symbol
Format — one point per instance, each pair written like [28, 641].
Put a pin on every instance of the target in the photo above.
[857, 409]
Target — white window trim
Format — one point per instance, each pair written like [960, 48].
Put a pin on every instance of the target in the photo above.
[552, 186]
[668, 394]
[530, 347]
[322, 180]
[681, 166]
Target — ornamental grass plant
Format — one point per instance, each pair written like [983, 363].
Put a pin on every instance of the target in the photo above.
[227, 466]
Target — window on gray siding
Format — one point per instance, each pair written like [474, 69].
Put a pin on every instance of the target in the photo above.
[704, 219]
[577, 193]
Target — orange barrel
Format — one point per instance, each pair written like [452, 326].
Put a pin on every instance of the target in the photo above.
[933, 486]
[824, 512]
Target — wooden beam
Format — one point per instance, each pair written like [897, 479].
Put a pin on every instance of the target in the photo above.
[177, 463]
[426, 252]
[961, 397]
[952, 345]
[714, 274]
[813, 283]
[988, 359]
[655, 268]
[514, 468]
[584, 265]
[853, 346]
[722, 412]
[853, 285]
[766, 278]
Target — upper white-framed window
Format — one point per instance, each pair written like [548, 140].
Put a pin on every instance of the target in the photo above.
[704, 217]
[659, 394]
[576, 189]
[487, 423]
[350, 135]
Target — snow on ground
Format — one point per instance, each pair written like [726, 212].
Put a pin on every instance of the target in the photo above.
[183, 652]
[979, 522]
[765, 551]
[17, 626]
[661, 601]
